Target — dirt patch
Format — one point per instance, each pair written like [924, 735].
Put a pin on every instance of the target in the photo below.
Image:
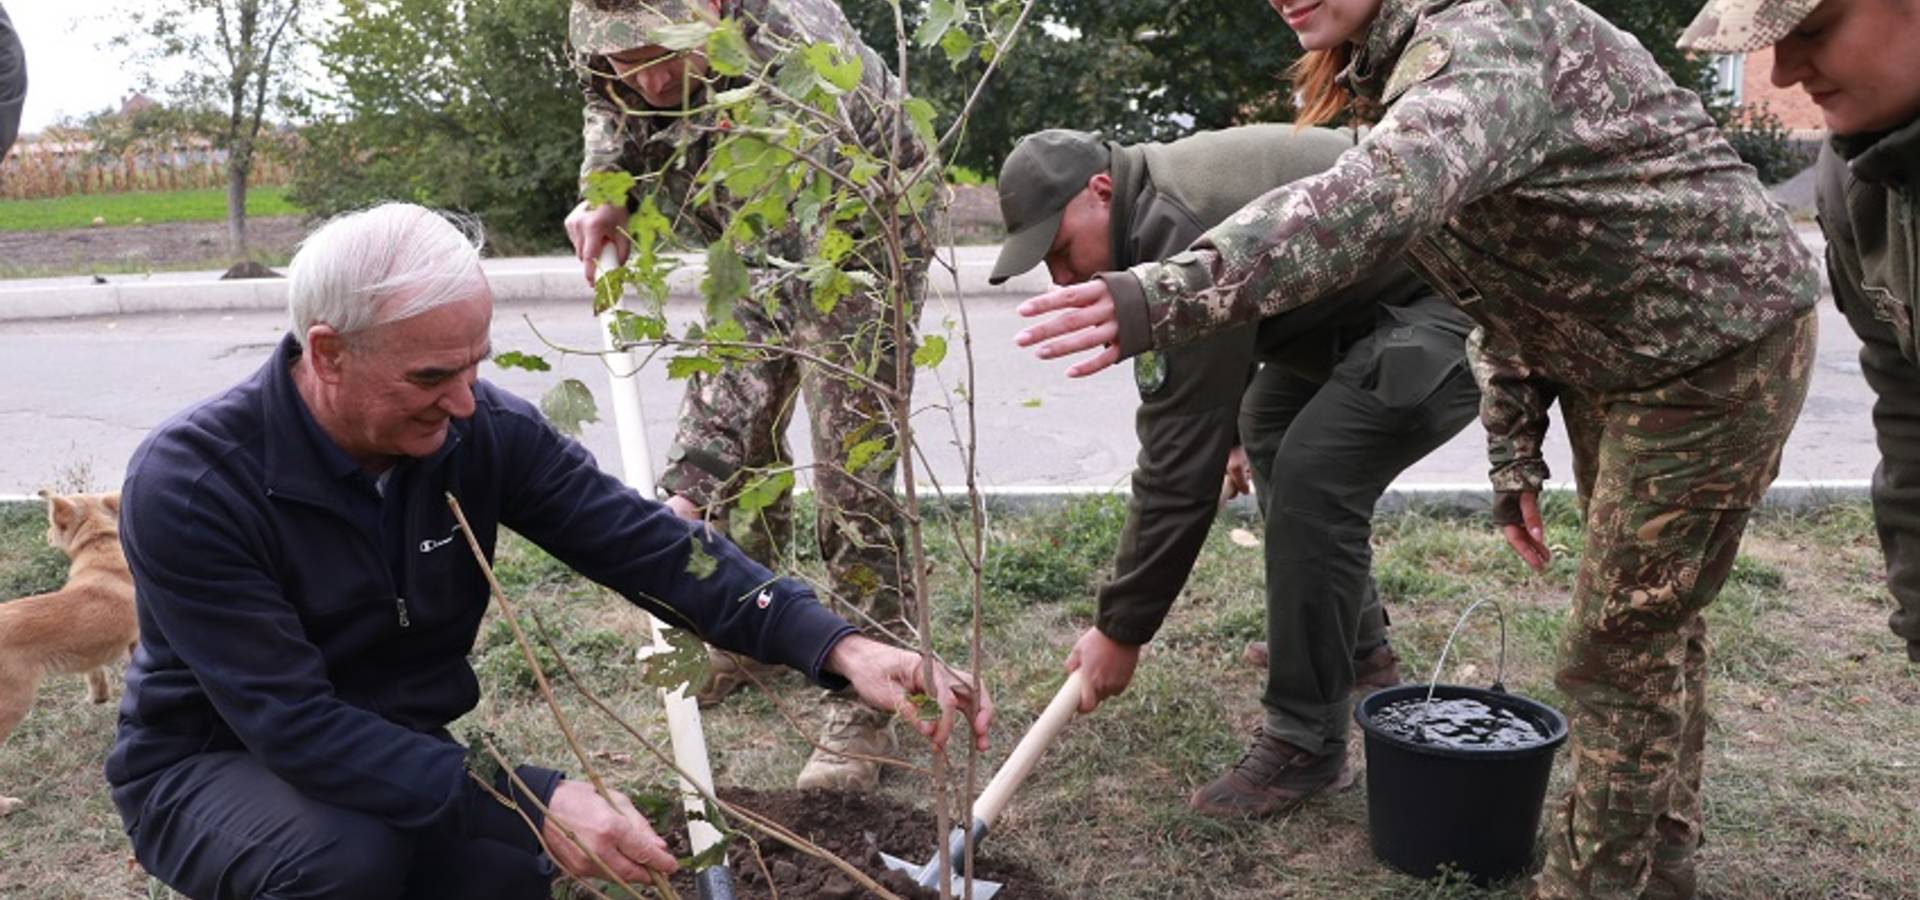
[858, 829]
[164, 245]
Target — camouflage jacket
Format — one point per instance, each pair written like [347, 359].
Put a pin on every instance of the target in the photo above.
[1542, 171]
[662, 147]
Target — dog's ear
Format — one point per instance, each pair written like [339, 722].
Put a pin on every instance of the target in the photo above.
[60, 510]
[111, 502]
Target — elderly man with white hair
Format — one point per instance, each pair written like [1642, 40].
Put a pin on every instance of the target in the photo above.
[307, 602]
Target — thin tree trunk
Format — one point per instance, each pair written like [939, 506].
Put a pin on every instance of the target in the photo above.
[237, 206]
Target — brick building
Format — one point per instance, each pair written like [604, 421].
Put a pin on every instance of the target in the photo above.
[1748, 77]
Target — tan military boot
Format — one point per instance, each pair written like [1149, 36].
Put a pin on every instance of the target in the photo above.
[1378, 669]
[1271, 777]
[728, 672]
[854, 729]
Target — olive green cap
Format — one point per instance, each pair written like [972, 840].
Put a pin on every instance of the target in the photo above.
[601, 27]
[1742, 26]
[1045, 171]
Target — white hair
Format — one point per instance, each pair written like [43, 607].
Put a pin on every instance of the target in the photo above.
[383, 264]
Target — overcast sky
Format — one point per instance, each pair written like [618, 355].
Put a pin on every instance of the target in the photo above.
[68, 75]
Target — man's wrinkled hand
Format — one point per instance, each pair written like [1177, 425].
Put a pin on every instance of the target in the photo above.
[887, 678]
[617, 833]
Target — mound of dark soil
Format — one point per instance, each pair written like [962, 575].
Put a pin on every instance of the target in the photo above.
[858, 829]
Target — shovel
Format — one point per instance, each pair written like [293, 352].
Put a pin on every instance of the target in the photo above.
[993, 799]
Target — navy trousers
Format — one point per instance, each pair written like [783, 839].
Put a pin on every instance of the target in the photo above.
[221, 827]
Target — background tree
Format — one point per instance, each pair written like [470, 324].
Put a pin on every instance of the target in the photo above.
[235, 58]
[468, 106]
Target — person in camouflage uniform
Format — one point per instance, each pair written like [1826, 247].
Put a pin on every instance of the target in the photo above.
[643, 116]
[1856, 60]
[1540, 169]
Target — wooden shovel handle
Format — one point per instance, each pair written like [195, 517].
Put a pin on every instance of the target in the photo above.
[1020, 763]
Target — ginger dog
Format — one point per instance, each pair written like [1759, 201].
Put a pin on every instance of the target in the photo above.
[85, 627]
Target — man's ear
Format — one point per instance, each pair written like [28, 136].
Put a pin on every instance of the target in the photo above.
[326, 349]
[1101, 184]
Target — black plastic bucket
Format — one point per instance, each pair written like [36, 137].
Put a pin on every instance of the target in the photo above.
[1473, 811]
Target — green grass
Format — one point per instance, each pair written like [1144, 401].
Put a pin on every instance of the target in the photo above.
[151, 208]
[1812, 753]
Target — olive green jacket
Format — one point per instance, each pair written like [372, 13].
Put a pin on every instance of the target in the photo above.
[1869, 191]
[1165, 196]
[1540, 169]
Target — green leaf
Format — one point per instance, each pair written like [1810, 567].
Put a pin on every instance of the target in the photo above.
[765, 490]
[727, 280]
[958, 46]
[921, 114]
[681, 35]
[835, 245]
[609, 188]
[684, 662]
[657, 805]
[705, 859]
[686, 366]
[829, 288]
[631, 327]
[1031, 403]
[514, 359]
[726, 330]
[834, 66]
[942, 16]
[737, 96]
[609, 288]
[863, 453]
[568, 406]
[932, 349]
[727, 50]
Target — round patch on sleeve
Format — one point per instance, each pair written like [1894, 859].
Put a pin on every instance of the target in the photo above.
[1426, 57]
[1150, 372]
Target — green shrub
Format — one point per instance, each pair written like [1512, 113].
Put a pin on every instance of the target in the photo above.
[1764, 143]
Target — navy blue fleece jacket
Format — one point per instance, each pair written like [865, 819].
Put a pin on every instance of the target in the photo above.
[292, 609]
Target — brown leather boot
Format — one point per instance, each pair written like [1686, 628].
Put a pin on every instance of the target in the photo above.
[1271, 777]
[851, 728]
[727, 672]
[1377, 669]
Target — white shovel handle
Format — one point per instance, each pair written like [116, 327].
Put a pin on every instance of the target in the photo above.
[1021, 762]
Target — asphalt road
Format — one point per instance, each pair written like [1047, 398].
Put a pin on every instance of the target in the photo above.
[77, 396]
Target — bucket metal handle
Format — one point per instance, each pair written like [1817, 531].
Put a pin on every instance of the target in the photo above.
[1500, 675]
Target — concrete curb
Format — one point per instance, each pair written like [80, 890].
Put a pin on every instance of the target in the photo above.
[514, 281]
[1446, 499]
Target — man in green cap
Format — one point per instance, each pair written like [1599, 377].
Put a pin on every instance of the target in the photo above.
[1325, 406]
[646, 115]
[1859, 60]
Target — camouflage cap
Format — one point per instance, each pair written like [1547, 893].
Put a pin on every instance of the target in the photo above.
[1045, 171]
[601, 27]
[1742, 26]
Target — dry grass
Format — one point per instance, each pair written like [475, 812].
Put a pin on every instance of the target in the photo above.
[1813, 777]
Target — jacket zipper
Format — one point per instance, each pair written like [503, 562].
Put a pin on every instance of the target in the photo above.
[400, 603]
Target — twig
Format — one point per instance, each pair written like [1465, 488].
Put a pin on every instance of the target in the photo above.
[546, 691]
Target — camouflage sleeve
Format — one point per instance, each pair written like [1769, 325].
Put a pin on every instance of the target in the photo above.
[1513, 409]
[605, 137]
[1455, 132]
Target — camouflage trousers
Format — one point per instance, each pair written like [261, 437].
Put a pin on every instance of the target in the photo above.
[1668, 477]
[733, 431]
